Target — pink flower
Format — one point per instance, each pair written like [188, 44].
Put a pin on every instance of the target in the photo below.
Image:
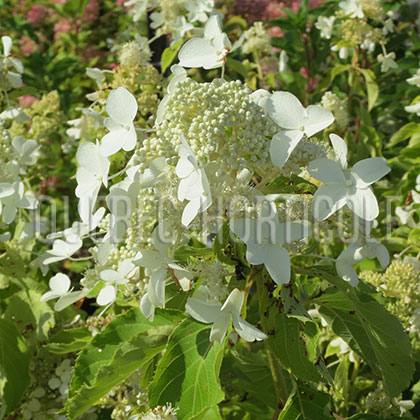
[27, 100]
[37, 14]
[61, 27]
[91, 11]
[120, 3]
[27, 45]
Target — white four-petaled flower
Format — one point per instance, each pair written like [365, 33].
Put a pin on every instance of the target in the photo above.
[220, 316]
[343, 186]
[208, 52]
[114, 278]
[60, 288]
[194, 185]
[264, 237]
[296, 121]
[121, 107]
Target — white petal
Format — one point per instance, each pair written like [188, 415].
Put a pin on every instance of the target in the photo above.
[318, 119]
[340, 149]
[121, 106]
[326, 171]
[147, 308]
[368, 171]
[283, 144]
[203, 311]
[91, 160]
[156, 288]
[106, 295]
[149, 259]
[327, 200]
[285, 110]
[347, 272]
[113, 141]
[8, 214]
[48, 296]
[293, 231]
[130, 138]
[246, 331]
[199, 52]
[363, 203]
[6, 189]
[233, 303]
[190, 211]
[7, 45]
[69, 299]
[219, 328]
[256, 253]
[60, 283]
[213, 27]
[110, 276]
[277, 263]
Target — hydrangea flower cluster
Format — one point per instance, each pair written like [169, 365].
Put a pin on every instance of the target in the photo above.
[359, 24]
[214, 150]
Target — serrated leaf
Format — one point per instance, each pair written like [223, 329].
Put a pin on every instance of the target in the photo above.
[370, 330]
[126, 344]
[69, 341]
[188, 374]
[14, 363]
[26, 309]
[306, 404]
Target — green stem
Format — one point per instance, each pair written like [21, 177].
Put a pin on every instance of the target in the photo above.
[276, 369]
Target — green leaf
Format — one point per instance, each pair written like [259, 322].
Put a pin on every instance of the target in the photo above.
[306, 404]
[69, 341]
[371, 86]
[188, 374]
[373, 417]
[405, 132]
[293, 342]
[335, 71]
[371, 331]
[14, 365]
[169, 55]
[26, 309]
[129, 342]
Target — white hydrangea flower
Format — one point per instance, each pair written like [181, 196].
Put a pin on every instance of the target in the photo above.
[343, 186]
[90, 175]
[264, 237]
[12, 198]
[283, 60]
[97, 75]
[157, 263]
[121, 107]
[179, 74]
[220, 316]
[414, 108]
[388, 27]
[343, 52]
[26, 150]
[139, 8]
[62, 250]
[194, 185]
[198, 10]
[60, 288]
[180, 28]
[356, 253]
[296, 121]
[387, 61]
[415, 79]
[325, 25]
[157, 20]
[114, 278]
[208, 52]
[15, 79]
[352, 8]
